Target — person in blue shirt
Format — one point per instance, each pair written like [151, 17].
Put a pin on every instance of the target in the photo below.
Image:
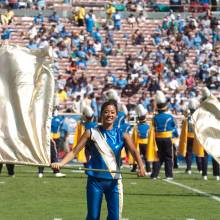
[107, 142]
[32, 44]
[89, 23]
[39, 19]
[54, 17]
[117, 20]
[97, 35]
[164, 125]
[6, 33]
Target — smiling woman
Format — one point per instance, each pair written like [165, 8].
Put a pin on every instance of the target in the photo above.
[105, 149]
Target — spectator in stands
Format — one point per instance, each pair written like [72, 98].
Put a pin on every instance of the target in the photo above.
[13, 4]
[90, 23]
[190, 81]
[54, 17]
[7, 18]
[41, 4]
[77, 104]
[153, 85]
[119, 51]
[141, 18]
[107, 49]
[39, 19]
[81, 16]
[43, 42]
[32, 32]
[110, 10]
[32, 44]
[72, 81]
[117, 20]
[6, 33]
[103, 60]
[121, 82]
[97, 46]
[97, 35]
[81, 63]
[131, 20]
[72, 68]
[60, 82]
[62, 94]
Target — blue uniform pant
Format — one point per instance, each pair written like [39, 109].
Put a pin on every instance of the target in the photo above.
[113, 191]
[165, 154]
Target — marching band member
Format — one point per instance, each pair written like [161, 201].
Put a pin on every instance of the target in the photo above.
[86, 122]
[140, 137]
[107, 142]
[187, 137]
[164, 125]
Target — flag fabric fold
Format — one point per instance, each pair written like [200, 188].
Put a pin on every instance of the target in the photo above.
[26, 102]
[206, 120]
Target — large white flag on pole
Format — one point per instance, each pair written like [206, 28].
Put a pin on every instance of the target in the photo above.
[207, 126]
[26, 99]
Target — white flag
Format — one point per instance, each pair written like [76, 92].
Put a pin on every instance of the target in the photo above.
[206, 121]
[26, 99]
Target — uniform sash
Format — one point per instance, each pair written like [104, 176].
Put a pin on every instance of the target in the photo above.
[106, 152]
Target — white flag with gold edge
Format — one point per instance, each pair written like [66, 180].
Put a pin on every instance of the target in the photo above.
[206, 120]
[26, 102]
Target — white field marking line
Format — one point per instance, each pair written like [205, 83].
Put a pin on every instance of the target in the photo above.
[2, 182]
[194, 190]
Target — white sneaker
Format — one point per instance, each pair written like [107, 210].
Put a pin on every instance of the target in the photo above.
[205, 177]
[60, 175]
[217, 178]
[147, 173]
[189, 172]
[169, 178]
[40, 175]
[200, 171]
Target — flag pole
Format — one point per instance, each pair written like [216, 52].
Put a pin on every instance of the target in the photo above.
[98, 170]
[70, 168]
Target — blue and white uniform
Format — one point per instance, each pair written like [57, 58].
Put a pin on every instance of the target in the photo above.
[105, 151]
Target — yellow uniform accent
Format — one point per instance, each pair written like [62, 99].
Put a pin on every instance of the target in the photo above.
[55, 135]
[134, 138]
[165, 134]
[79, 132]
[190, 135]
[151, 152]
[142, 140]
[198, 148]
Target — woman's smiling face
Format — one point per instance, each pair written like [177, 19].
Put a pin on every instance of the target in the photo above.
[109, 114]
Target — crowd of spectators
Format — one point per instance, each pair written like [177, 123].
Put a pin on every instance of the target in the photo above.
[170, 69]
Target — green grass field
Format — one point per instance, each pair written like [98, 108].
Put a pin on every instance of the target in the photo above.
[26, 197]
